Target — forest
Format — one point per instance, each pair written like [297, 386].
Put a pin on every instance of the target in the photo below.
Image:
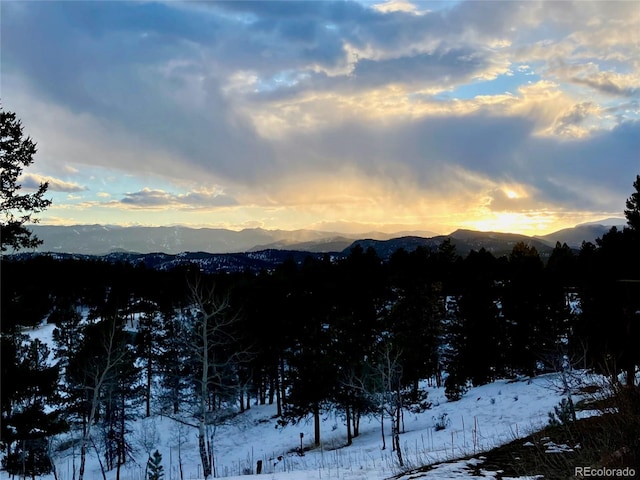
[353, 335]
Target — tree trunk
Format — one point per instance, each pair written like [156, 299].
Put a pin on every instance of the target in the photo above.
[212, 463]
[148, 387]
[83, 448]
[384, 442]
[316, 424]
[95, 448]
[272, 384]
[121, 440]
[631, 375]
[396, 439]
[395, 435]
[278, 396]
[349, 437]
[356, 422]
[204, 455]
[179, 457]
[283, 392]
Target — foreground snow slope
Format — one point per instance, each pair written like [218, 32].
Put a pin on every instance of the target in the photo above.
[485, 417]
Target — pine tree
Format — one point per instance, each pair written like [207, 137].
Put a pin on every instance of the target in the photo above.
[147, 345]
[357, 288]
[155, 470]
[476, 332]
[17, 209]
[415, 318]
[632, 212]
[523, 308]
[29, 386]
[173, 361]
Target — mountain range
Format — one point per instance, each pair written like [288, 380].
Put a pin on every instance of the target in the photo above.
[103, 239]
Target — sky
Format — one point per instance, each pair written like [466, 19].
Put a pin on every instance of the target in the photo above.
[344, 116]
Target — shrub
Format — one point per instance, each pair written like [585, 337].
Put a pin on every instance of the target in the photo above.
[565, 413]
[441, 422]
[455, 387]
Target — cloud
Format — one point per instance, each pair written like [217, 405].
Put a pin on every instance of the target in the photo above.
[571, 123]
[396, 6]
[325, 103]
[611, 83]
[159, 199]
[442, 68]
[32, 181]
[128, 68]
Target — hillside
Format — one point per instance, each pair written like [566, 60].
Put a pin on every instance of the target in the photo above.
[581, 233]
[486, 417]
[498, 244]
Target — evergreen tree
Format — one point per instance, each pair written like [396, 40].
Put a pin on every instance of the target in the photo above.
[26, 299]
[523, 308]
[358, 288]
[29, 390]
[475, 336]
[148, 349]
[173, 361]
[265, 326]
[559, 281]
[609, 293]
[91, 375]
[155, 470]
[120, 392]
[16, 209]
[311, 377]
[414, 320]
[632, 212]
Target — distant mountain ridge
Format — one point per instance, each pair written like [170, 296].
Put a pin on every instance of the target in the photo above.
[585, 232]
[103, 239]
[464, 240]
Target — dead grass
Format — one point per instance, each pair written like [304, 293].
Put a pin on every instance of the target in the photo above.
[610, 439]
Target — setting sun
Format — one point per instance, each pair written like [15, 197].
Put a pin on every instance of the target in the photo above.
[511, 194]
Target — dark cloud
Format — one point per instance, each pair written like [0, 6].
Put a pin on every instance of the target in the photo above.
[503, 149]
[479, 143]
[148, 198]
[33, 182]
[441, 68]
[574, 172]
[110, 60]
[61, 47]
[606, 84]
[578, 114]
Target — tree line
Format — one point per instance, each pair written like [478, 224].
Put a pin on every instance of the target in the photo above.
[356, 335]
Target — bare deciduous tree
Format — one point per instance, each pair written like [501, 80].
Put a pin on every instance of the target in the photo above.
[96, 373]
[214, 346]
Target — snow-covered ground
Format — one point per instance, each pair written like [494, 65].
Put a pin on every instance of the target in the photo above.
[487, 416]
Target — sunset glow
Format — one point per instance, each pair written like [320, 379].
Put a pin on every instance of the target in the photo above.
[348, 116]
